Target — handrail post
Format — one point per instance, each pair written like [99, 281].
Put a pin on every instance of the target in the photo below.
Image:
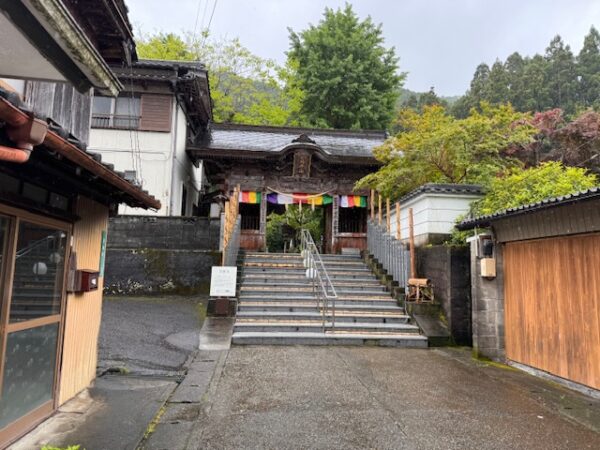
[398, 231]
[388, 218]
[411, 226]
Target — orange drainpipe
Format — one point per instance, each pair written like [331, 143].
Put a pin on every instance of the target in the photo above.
[24, 130]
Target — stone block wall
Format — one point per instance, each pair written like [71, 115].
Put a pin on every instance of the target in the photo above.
[160, 255]
[448, 268]
[488, 308]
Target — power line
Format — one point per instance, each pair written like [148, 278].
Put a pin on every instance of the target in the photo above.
[211, 16]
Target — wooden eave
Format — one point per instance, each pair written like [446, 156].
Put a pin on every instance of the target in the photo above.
[216, 154]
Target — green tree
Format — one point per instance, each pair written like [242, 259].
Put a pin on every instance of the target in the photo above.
[588, 69]
[497, 88]
[515, 69]
[536, 93]
[164, 46]
[348, 77]
[520, 186]
[561, 75]
[245, 88]
[437, 147]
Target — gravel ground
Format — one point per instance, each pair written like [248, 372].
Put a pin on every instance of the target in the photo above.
[149, 336]
[355, 398]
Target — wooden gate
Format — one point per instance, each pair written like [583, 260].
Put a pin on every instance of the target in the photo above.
[552, 306]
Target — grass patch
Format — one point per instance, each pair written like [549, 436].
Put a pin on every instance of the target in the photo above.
[151, 428]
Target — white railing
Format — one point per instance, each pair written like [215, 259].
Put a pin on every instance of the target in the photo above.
[392, 254]
[322, 288]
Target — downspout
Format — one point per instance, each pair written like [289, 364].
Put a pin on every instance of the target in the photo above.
[25, 132]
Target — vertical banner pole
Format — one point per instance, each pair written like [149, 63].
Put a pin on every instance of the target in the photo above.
[372, 204]
[411, 227]
[398, 232]
[388, 217]
[379, 211]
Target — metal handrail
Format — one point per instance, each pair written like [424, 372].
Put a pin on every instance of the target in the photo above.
[32, 246]
[391, 253]
[323, 289]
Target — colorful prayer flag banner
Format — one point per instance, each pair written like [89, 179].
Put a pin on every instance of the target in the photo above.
[299, 198]
[353, 201]
[250, 197]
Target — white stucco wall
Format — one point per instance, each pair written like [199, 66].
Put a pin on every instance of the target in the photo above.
[165, 166]
[432, 214]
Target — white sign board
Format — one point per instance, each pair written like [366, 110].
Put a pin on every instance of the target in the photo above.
[223, 281]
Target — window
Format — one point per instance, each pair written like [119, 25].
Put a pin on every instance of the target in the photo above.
[121, 112]
[148, 112]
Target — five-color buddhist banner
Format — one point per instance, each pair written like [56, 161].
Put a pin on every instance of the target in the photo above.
[353, 201]
[250, 197]
[345, 201]
[307, 199]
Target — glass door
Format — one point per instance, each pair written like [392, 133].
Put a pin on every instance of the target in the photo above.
[33, 279]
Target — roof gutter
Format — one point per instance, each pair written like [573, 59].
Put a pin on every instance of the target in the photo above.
[12, 115]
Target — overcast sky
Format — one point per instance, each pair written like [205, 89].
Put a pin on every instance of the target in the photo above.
[440, 42]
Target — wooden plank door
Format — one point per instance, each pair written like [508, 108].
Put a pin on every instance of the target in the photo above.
[552, 306]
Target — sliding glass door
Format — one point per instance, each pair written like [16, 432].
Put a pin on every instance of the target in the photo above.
[32, 279]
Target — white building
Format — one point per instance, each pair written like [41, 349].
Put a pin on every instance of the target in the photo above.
[435, 210]
[145, 130]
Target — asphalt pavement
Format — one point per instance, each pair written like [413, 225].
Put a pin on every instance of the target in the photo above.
[149, 335]
[377, 398]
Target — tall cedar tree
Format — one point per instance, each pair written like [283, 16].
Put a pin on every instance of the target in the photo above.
[348, 77]
[556, 79]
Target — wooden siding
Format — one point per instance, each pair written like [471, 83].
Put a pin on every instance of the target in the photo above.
[156, 112]
[552, 306]
[350, 240]
[577, 218]
[252, 240]
[83, 311]
[65, 105]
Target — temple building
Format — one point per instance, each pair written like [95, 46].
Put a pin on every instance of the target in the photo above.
[279, 166]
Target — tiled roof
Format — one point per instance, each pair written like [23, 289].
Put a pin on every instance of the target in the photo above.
[142, 198]
[275, 139]
[482, 221]
[448, 189]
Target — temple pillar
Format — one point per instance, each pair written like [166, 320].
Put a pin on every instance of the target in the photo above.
[335, 213]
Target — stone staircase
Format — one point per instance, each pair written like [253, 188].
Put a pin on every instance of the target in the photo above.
[276, 305]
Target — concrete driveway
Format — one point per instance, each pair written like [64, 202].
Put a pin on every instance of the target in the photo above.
[351, 398]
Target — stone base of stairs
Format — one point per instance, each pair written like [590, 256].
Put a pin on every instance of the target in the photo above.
[329, 338]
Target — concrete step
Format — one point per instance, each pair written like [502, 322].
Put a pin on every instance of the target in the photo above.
[303, 326]
[288, 256]
[329, 338]
[279, 286]
[299, 266]
[300, 272]
[333, 262]
[340, 316]
[265, 306]
[301, 276]
[286, 292]
[302, 301]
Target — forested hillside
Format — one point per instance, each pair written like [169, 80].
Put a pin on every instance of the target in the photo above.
[556, 79]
